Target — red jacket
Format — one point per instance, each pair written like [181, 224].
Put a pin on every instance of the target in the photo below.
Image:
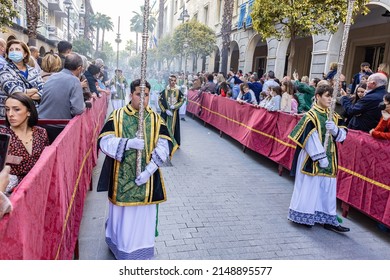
[382, 130]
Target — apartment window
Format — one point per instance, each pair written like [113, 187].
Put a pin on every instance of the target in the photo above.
[240, 23]
[175, 7]
[206, 15]
[248, 21]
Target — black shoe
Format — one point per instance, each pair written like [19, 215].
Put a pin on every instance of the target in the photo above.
[183, 119]
[336, 228]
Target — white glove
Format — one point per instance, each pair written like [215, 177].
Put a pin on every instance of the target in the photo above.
[135, 143]
[142, 178]
[169, 113]
[145, 175]
[331, 126]
[323, 162]
[172, 107]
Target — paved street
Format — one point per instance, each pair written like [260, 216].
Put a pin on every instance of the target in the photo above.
[226, 204]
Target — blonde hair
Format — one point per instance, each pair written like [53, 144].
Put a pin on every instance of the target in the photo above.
[220, 78]
[333, 66]
[51, 63]
[384, 67]
[305, 79]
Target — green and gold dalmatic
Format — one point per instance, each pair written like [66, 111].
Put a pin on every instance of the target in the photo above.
[124, 191]
[314, 120]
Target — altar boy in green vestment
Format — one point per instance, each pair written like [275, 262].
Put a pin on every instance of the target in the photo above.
[315, 167]
[170, 101]
[131, 222]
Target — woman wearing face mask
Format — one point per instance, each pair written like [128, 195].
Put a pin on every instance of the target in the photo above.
[382, 130]
[27, 139]
[17, 76]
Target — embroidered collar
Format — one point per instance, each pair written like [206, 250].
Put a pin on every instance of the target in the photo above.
[320, 109]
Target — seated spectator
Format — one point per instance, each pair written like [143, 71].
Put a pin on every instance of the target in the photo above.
[62, 96]
[27, 139]
[274, 103]
[382, 130]
[288, 103]
[51, 63]
[365, 114]
[246, 95]
[210, 86]
[5, 203]
[17, 75]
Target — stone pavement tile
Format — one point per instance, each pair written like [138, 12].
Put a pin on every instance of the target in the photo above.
[218, 210]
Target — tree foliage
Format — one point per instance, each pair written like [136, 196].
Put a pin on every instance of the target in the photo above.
[82, 46]
[7, 13]
[295, 18]
[106, 25]
[300, 18]
[165, 50]
[200, 39]
[137, 24]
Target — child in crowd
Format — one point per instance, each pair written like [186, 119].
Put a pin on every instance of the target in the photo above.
[288, 103]
[265, 97]
[274, 103]
[382, 130]
[246, 95]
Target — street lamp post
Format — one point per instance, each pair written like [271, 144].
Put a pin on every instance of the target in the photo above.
[68, 6]
[118, 41]
[183, 17]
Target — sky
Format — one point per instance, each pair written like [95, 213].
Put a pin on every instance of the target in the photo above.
[114, 9]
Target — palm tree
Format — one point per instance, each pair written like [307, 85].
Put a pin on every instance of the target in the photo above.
[130, 46]
[96, 23]
[32, 13]
[136, 24]
[226, 31]
[106, 24]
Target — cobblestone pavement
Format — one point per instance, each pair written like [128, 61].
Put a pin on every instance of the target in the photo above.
[226, 204]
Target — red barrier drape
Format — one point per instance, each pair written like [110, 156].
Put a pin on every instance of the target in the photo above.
[48, 203]
[364, 175]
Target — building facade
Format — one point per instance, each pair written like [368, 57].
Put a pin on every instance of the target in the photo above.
[58, 20]
[369, 40]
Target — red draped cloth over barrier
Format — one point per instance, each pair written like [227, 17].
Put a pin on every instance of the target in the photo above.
[48, 203]
[364, 175]
[363, 179]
